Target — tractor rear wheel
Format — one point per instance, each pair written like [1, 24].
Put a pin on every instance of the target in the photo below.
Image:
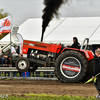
[71, 66]
[22, 64]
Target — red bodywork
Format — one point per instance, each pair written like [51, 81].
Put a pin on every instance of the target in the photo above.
[88, 54]
[41, 46]
[54, 48]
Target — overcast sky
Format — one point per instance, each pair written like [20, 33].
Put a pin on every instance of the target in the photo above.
[21, 10]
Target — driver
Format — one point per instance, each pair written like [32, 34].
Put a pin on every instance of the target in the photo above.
[75, 44]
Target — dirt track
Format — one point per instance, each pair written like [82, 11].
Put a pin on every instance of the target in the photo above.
[46, 87]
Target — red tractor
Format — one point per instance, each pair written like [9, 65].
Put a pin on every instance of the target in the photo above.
[70, 64]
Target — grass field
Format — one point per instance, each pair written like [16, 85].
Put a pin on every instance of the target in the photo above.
[45, 97]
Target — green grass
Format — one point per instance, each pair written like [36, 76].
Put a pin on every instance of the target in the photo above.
[46, 97]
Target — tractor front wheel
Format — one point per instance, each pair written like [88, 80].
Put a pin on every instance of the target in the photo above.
[22, 64]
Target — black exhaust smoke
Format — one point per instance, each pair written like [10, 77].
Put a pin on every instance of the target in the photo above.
[51, 9]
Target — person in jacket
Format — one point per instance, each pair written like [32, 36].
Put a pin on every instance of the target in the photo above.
[96, 70]
[75, 44]
[6, 62]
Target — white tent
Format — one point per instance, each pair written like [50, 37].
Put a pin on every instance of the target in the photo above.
[62, 30]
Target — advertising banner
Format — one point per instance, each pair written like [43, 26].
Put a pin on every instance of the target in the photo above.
[5, 26]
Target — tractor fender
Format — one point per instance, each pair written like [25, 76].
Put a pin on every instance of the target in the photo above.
[88, 54]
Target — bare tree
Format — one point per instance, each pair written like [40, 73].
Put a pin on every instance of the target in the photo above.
[3, 14]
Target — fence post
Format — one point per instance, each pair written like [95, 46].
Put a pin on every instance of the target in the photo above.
[10, 74]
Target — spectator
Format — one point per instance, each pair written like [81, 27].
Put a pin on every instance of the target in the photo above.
[6, 62]
[14, 73]
[51, 74]
[97, 71]
[0, 64]
[37, 73]
[46, 73]
[20, 73]
[13, 65]
[32, 74]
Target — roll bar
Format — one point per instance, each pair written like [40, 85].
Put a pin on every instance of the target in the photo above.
[87, 42]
